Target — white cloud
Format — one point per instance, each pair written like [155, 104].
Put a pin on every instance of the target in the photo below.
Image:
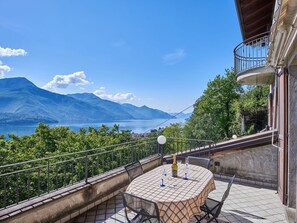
[63, 81]
[8, 52]
[118, 97]
[175, 57]
[3, 69]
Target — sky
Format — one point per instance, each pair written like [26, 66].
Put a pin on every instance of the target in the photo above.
[158, 53]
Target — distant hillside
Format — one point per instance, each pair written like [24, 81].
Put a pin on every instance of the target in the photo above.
[23, 119]
[145, 112]
[185, 116]
[122, 111]
[115, 109]
[23, 102]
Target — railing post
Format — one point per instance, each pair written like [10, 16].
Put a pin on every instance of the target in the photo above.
[112, 159]
[86, 166]
[57, 177]
[48, 176]
[209, 150]
[17, 188]
[38, 187]
[28, 187]
[132, 154]
[121, 158]
[5, 192]
[162, 152]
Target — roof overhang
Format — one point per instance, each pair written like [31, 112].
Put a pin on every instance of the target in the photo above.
[255, 16]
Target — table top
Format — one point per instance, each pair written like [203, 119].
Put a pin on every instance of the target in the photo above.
[178, 194]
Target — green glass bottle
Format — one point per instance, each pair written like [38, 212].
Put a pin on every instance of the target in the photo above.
[174, 167]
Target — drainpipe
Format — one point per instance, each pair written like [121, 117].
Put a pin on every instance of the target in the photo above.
[274, 121]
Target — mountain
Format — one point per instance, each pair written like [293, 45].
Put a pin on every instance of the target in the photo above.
[115, 109]
[182, 115]
[23, 102]
[122, 111]
[145, 112]
[15, 119]
[21, 97]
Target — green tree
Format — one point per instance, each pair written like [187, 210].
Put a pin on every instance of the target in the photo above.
[174, 130]
[213, 114]
[251, 110]
[45, 139]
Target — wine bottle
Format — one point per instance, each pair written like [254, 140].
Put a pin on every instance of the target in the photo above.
[174, 167]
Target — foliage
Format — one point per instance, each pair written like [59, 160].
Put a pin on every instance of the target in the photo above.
[212, 116]
[252, 107]
[224, 106]
[174, 130]
[39, 174]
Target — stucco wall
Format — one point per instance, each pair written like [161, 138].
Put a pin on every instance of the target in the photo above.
[292, 133]
[256, 164]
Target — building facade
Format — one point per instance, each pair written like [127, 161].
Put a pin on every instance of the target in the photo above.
[268, 55]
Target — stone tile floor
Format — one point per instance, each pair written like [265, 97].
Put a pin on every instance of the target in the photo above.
[245, 204]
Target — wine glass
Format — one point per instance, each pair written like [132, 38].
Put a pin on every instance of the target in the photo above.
[186, 169]
[164, 174]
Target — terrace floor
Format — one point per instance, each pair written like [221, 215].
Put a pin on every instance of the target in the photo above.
[245, 204]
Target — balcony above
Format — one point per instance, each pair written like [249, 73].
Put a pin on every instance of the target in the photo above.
[250, 61]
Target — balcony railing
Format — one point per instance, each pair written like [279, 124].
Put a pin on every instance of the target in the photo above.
[251, 53]
[26, 180]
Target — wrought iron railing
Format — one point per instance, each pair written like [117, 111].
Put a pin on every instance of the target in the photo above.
[251, 53]
[182, 145]
[25, 180]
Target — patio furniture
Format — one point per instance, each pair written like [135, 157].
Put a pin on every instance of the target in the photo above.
[134, 170]
[145, 210]
[199, 161]
[180, 199]
[212, 208]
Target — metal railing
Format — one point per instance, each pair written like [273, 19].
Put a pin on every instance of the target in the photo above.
[183, 145]
[251, 53]
[26, 180]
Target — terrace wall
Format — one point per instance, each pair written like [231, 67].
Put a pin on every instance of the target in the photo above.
[255, 164]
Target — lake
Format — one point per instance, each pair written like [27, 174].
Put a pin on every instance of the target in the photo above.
[137, 126]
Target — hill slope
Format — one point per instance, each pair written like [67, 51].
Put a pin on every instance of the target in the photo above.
[23, 102]
[122, 111]
[20, 96]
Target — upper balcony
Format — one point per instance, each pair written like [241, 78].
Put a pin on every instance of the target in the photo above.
[250, 61]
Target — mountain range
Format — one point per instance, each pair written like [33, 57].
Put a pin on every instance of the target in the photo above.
[22, 102]
[185, 116]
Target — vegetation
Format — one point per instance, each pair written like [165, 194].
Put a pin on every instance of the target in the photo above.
[48, 141]
[225, 106]
[56, 157]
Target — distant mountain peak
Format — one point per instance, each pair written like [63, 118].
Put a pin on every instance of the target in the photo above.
[85, 95]
[15, 83]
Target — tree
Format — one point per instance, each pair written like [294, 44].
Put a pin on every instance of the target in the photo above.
[213, 115]
[174, 130]
[251, 110]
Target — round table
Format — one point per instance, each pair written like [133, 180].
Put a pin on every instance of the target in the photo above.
[179, 200]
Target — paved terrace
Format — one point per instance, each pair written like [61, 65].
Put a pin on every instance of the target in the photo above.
[245, 204]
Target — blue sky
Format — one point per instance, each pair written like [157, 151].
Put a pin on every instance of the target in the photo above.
[159, 53]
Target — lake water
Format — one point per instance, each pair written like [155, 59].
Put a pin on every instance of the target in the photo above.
[137, 126]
